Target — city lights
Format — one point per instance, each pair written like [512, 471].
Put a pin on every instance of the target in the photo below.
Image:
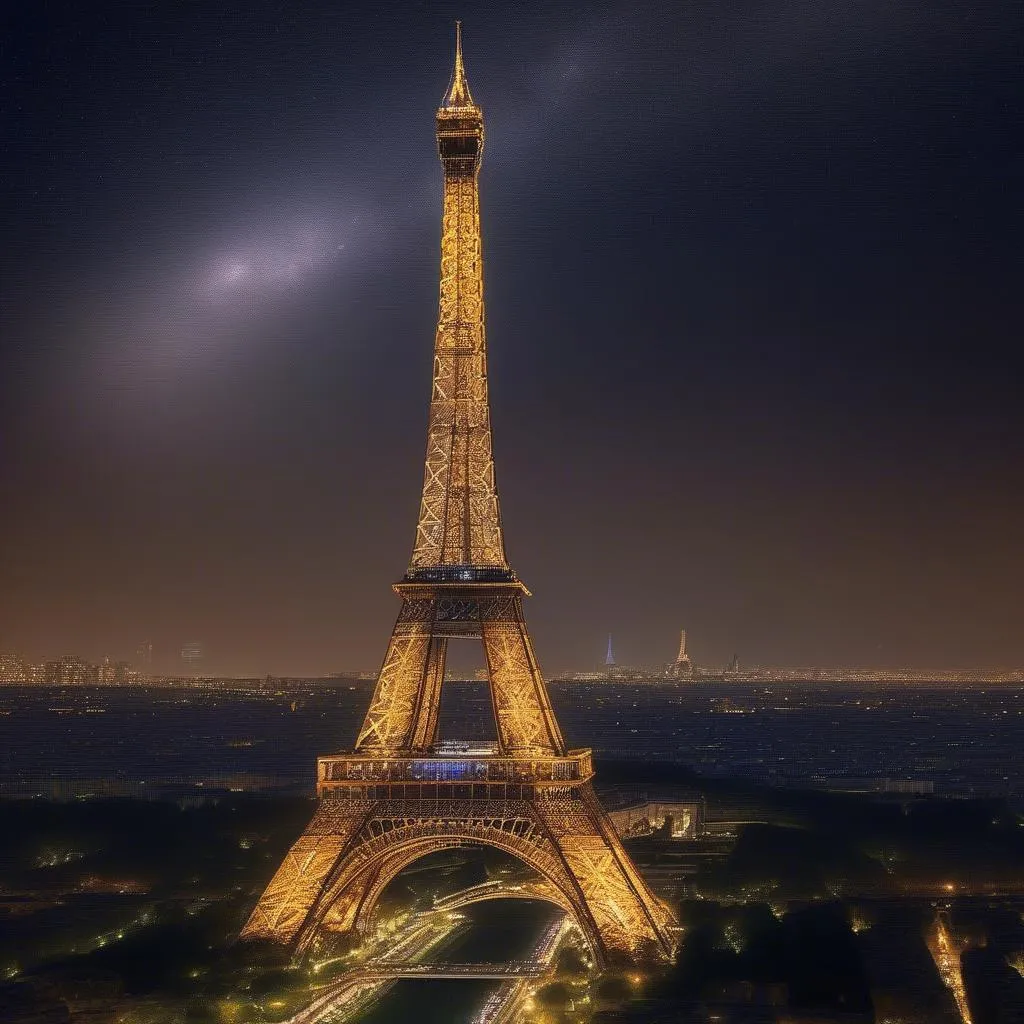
[751, 272]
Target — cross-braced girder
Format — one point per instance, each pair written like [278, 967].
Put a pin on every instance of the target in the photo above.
[403, 710]
[459, 522]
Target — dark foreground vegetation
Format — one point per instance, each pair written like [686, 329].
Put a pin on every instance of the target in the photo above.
[826, 908]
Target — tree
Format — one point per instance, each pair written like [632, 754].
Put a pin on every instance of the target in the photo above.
[555, 996]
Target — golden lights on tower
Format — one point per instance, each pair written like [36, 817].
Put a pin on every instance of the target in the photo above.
[398, 796]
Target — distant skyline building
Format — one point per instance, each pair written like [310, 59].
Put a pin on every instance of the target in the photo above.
[609, 658]
[12, 669]
[192, 655]
[117, 672]
[70, 670]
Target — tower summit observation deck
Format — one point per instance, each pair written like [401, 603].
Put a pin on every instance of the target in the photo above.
[396, 797]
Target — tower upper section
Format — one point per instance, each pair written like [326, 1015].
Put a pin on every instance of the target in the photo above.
[460, 122]
[458, 536]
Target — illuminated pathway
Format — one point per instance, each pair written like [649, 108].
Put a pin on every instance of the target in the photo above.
[433, 971]
[947, 959]
[364, 981]
[349, 995]
[503, 1005]
[538, 889]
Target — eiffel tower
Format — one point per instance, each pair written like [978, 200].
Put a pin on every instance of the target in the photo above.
[397, 797]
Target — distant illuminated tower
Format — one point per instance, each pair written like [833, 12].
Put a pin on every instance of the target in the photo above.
[682, 666]
[144, 655]
[609, 658]
[402, 794]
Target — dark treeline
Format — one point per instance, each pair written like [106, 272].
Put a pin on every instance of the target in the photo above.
[124, 901]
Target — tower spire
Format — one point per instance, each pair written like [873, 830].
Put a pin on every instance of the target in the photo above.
[458, 94]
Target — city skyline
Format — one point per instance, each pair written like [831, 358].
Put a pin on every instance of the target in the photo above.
[805, 449]
[193, 660]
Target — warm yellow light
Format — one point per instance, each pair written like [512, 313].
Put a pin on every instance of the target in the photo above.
[534, 800]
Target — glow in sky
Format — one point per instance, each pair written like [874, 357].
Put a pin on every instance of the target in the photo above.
[265, 266]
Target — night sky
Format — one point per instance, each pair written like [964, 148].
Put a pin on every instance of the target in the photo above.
[753, 293]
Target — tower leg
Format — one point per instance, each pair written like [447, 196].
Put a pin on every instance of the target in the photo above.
[389, 721]
[428, 707]
[631, 921]
[299, 881]
[522, 711]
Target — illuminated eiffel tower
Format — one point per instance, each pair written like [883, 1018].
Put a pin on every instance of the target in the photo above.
[397, 797]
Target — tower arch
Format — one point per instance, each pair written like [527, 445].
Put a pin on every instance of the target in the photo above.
[351, 891]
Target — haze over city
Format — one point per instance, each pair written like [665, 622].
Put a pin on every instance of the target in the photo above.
[751, 286]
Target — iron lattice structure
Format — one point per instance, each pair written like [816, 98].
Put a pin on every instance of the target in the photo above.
[394, 799]
[683, 665]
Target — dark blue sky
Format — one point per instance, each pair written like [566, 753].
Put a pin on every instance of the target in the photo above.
[752, 286]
